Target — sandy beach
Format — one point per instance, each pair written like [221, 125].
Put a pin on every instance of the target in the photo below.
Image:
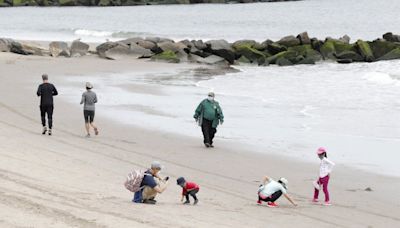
[67, 180]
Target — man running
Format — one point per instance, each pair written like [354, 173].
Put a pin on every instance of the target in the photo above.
[46, 91]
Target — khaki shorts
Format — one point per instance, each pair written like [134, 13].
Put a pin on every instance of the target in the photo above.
[150, 193]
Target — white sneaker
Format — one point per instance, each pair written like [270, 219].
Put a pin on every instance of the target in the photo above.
[44, 130]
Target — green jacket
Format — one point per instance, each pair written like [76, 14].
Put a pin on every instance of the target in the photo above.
[209, 110]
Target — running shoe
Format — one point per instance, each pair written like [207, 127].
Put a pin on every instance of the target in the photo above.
[315, 201]
[96, 131]
[44, 130]
[149, 201]
[195, 202]
[259, 202]
[187, 202]
[327, 203]
[207, 145]
[49, 131]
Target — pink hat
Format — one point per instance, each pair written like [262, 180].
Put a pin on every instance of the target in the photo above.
[321, 150]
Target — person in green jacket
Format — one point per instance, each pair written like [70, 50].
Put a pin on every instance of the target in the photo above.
[209, 115]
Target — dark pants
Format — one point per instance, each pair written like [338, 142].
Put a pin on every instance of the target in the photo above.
[89, 116]
[192, 193]
[272, 198]
[49, 110]
[208, 131]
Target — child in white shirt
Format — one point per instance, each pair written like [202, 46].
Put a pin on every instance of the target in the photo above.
[324, 174]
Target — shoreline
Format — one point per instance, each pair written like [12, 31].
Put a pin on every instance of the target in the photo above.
[66, 180]
[149, 89]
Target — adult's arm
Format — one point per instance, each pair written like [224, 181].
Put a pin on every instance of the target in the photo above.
[290, 199]
[220, 114]
[95, 98]
[160, 189]
[83, 99]
[55, 92]
[39, 91]
[197, 112]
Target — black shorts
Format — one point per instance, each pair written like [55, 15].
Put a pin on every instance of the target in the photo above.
[89, 116]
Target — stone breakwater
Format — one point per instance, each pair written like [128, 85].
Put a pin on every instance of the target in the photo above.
[289, 50]
[10, 3]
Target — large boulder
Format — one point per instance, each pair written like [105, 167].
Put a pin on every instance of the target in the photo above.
[251, 54]
[34, 49]
[171, 46]
[129, 41]
[139, 51]
[345, 39]
[18, 48]
[316, 44]
[68, 2]
[391, 37]
[158, 39]
[304, 38]
[289, 41]
[5, 45]
[382, 47]
[211, 60]
[166, 56]
[199, 44]
[365, 50]
[79, 48]
[394, 54]
[24, 3]
[241, 43]
[289, 55]
[353, 56]
[284, 62]
[275, 48]
[221, 48]
[332, 47]
[120, 50]
[59, 48]
[146, 44]
[102, 48]
[306, 51]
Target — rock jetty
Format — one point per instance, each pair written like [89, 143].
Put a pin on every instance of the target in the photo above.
[290, 50]
[11, 3]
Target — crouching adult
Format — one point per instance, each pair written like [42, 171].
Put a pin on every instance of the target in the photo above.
[151, 185]
[271, 190]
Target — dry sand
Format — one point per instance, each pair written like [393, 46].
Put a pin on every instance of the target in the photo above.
[66, 180]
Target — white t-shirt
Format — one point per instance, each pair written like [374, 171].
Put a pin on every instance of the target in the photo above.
[270, 188]
[326, 167]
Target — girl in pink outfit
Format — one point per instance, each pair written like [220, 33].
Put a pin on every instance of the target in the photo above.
[324, 173]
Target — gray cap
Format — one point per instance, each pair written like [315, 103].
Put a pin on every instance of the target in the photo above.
[89, 85]
[156, 165]
[211, 94]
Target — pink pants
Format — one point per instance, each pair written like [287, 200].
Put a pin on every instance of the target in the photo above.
[324, 182]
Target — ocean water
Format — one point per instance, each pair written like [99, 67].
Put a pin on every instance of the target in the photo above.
[353, 110]
[367, 19]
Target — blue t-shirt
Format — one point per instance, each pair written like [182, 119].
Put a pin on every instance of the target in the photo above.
[148, 180]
